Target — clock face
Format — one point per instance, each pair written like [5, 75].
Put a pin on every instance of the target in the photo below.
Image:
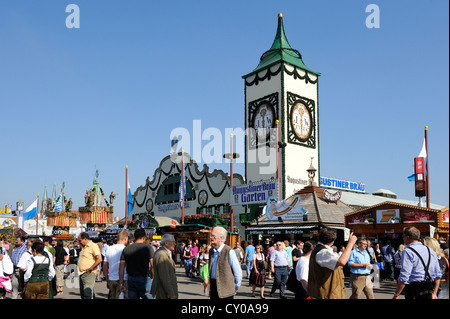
[263, 120]
[262, 115]
[302, 123]
[301, 120]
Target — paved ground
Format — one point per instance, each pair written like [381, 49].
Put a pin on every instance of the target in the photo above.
[192, 288]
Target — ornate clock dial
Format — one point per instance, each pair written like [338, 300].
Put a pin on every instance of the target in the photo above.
[301, 121]
[263, 120]
[262, 114]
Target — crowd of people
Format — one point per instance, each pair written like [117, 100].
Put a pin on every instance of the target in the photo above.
[24, 265]
[144, 269]
[317, 269]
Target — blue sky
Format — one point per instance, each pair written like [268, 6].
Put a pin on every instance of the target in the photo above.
[108, 94]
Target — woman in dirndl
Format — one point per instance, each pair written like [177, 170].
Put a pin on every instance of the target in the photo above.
[258, 273]
[204, 267]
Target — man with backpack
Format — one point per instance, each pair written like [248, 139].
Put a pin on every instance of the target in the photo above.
[420, 274]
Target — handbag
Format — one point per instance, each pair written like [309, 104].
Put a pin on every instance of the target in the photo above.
[292, 282]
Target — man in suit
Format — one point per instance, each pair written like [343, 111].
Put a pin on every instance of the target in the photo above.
[164, 284]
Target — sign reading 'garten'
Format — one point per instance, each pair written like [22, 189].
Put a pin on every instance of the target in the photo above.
[253, 193]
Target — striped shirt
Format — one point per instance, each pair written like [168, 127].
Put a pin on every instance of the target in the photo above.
[17, 253]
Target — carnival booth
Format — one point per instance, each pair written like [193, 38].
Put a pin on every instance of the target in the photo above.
[300, 216]
[62, 218]
[386, 221]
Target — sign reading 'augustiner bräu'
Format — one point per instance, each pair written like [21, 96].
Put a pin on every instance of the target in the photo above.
[253, 193]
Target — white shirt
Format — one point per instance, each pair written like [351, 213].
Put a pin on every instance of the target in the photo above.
[104, 249]
[24, 259]
[39, 260]
[112, 257]
[302, 269]
[327, 258]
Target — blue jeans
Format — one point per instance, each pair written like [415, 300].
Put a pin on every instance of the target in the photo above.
[139, 287]
[281, 277]
[187, 266]
[249, 267]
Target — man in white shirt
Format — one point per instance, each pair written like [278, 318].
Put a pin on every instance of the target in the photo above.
[111, 266]
[325, 277]
[39, 271]
[22, 264]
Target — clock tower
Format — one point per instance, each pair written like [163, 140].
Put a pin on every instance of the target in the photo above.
[282, 89]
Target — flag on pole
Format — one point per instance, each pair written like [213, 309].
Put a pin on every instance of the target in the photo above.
[129, 199]
[59, 205]
[423, 153]
[182, 194]
[182, 179]
[31, 211]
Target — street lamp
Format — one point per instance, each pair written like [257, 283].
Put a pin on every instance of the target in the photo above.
[279, 145]
[231, 156]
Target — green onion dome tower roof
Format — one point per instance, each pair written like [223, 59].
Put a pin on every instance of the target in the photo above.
[280, 51]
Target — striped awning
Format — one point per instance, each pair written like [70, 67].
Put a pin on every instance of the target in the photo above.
[96, 218]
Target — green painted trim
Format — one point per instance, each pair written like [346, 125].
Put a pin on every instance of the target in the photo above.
[283, 152]
[317, 138]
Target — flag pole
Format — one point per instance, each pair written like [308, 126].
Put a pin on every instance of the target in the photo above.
[278, 161]
[37, 214]
[182, 187]
[231, 182]
[428, 171]
[126, 196]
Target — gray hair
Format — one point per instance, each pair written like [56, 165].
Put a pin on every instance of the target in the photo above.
[167, 237]
[223, 233]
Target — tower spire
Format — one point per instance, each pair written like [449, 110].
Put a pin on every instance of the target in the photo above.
[280, 51]
[280, 41]
[54, 194]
